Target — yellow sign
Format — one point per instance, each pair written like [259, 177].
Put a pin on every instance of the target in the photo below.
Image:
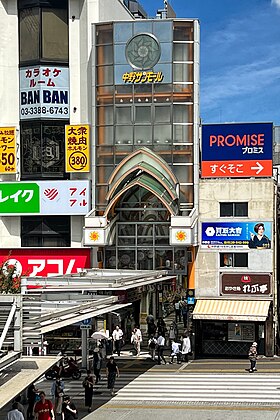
[142, 77]
[8, 150]
[77, 148]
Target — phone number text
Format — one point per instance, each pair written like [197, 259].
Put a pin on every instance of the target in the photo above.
[43, 110]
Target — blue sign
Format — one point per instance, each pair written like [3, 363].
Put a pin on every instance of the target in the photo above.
[223, 142]
[86, 321]
[255, 235]
[191, 300]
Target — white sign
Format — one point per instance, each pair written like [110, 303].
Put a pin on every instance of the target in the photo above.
[180, 236]
[94, 236]
[44, 92]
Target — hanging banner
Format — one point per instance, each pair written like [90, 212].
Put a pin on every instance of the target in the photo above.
[77, 148]
[8, 150]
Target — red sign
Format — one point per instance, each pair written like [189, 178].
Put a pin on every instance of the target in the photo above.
[236, 168]
[46, 262]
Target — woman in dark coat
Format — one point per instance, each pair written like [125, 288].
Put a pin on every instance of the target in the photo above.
[88, 385]
[112, 372]
[97, 364]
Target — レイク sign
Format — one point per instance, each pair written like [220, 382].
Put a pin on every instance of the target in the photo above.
[44, 92]
[44, 197]
[237, 150]
[46, 262]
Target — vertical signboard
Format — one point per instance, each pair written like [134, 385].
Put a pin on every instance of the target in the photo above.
[44, 92]
[77, 148]
[8, 150]
[237, 150]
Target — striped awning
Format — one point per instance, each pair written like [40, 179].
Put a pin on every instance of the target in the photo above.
[231, 310]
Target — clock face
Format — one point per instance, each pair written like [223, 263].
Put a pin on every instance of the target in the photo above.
[143, 51]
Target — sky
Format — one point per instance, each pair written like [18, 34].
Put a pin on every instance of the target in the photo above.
[239, 57]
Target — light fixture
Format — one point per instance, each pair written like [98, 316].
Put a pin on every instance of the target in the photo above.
[139, 100]
[121, 101]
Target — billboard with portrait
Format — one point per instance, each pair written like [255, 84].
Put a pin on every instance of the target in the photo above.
[240, 235]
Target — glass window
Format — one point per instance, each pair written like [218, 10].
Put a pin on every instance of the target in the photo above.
[48, 231]
[182, 154]
[42, 151]
[104, 173]
[166, 52]
[29, 23]
[234, 259]
[162, 134]
[182, 133]
[142, 134]
[105, 54]
[162, 114]
[120, 57]
[142, 114]
[124, 134]
[233, 209]
[105, 115]
[183, 52]
[105, 155]
[183, 72]
[104, 34]
[123, 115]
[183, 31]
[55, 35]
[105, 134]
[105, 75]
[181, 113]
[163, 30]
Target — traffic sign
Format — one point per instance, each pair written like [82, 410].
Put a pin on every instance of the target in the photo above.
[85, 327]
[86, 321]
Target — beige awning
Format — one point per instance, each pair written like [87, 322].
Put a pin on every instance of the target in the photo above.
[231, 310]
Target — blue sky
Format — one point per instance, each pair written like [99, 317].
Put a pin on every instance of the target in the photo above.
[240, 57]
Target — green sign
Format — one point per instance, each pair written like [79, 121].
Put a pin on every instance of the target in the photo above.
[19, 198]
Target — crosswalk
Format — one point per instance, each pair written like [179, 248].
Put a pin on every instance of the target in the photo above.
[180, 387]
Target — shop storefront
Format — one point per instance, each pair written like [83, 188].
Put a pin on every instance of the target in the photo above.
[226, 328]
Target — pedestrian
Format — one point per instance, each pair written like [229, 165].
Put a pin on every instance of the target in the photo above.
[177, 307]
[184, 310]
[97, 364]
[14, 413]
[160, 349]
[43, 409]
[136, 339]
[186, 347]
[253, 355]
[57, 392]
[175, 352]
[117, 338]
[173, 331]
[112, 371]
[152, 343]
[161, 327]
[151, 327]
[31, 397]
[88, 385]
[69, 410]
[19, 405]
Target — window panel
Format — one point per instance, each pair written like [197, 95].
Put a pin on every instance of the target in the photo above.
[142, 114]
[162, 134]
[105, 135]
[29, 23]
[42, 151]
[104, 34]
[183, 52]
[45, 231]
[234, 209]
[183, 31]
[55, 34]
[105, 115]
[182, 154]
[104, 54]
[233, 259]
[122, 32]
[143, 134]
[124, 134]
[181, 113]
[182, 133]
[183, 72]
[162, 114]
[123, 115]
[105, 75]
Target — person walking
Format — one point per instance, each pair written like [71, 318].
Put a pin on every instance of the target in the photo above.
[112, 371]
[117, 338]
[97, 364]
[160, 349]
[69, 410]
[173, 332]
[161, 327]
[177, 307]
[136, 339]
[253, 355]
[57, 392]
[152, 343]
[43, 409]
[88, 386]
[186, 347]
[175, 352]
[31, 397]
[184, 310]
[19, 405]
[14, 413]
